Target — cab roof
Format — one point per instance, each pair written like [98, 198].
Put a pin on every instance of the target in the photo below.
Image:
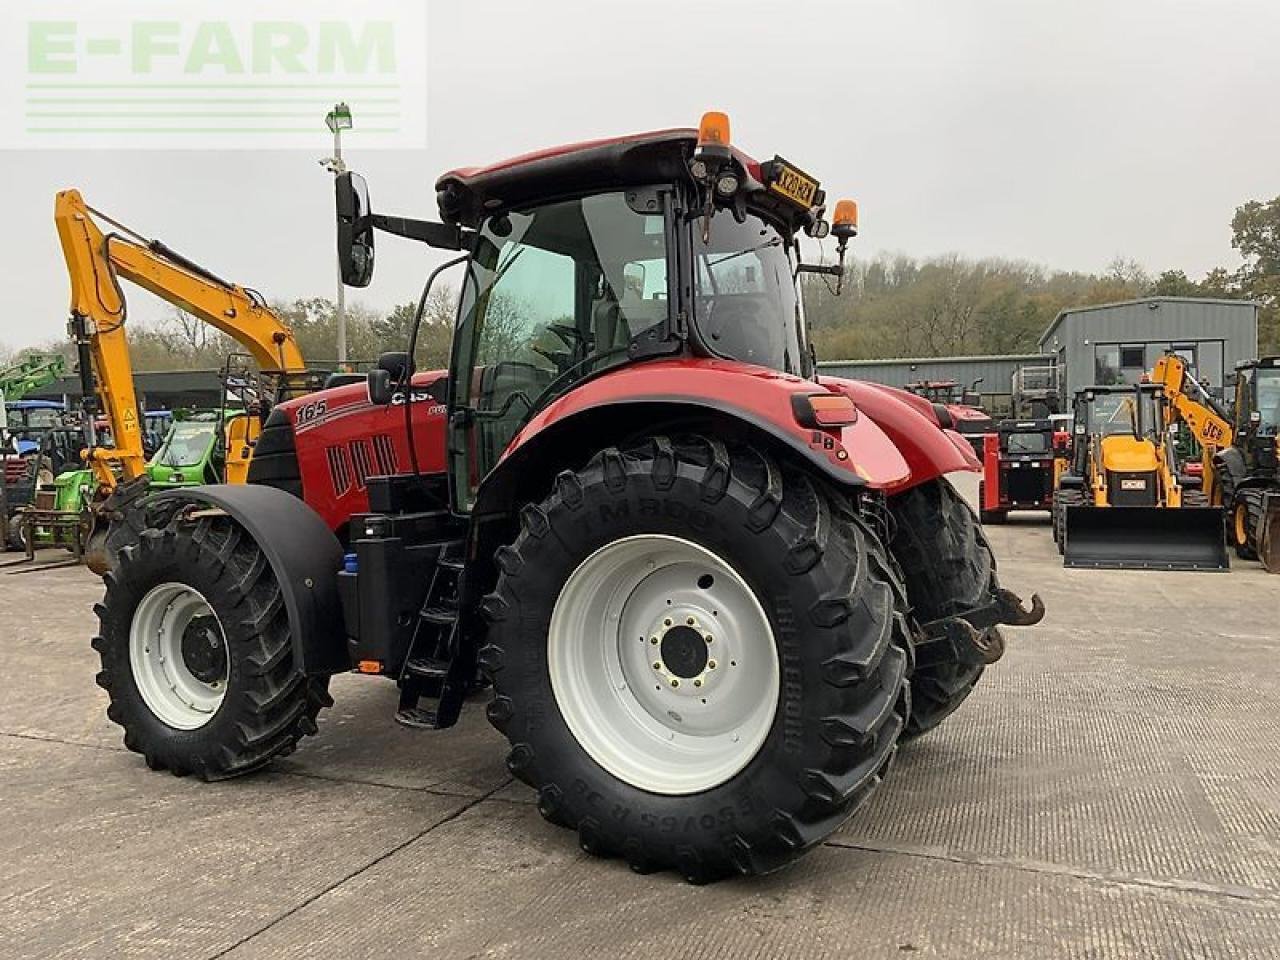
[468, 194]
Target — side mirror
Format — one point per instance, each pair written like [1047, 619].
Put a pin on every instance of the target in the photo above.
[396, 363]
[380, 387]
[355, 229]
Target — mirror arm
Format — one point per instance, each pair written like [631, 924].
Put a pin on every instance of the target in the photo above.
[828, 270]
[439, 235]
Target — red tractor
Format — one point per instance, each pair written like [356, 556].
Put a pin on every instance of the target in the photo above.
[711, 590]
[958, 408]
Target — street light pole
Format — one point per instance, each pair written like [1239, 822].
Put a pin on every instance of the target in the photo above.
[339, 119]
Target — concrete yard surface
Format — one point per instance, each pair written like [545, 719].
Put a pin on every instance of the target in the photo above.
[1111, 790]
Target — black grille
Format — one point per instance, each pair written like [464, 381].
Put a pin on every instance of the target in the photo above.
[384, 452]
[362, 456]
[339, 470]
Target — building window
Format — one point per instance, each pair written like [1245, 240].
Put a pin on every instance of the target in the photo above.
[1106, 364]
[1133, 357]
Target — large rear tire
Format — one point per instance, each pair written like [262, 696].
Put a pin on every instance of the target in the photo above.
[699, 656]
[949, 568]
[196, 653]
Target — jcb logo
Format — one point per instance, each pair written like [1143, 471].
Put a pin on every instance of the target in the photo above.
[1213, 432]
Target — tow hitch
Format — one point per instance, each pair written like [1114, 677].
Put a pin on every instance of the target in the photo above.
[972, 636]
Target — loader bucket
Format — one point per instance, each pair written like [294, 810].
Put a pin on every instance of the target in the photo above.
[1269, 533]
[1146, 538]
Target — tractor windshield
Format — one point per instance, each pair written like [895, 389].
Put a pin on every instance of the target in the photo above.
[554, 294]
[747, 306]
[1269, 401]
[1129, 412]
[187, 444]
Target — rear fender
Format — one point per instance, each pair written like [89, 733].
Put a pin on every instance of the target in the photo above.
[305, 557]
[688, 394]
[856, 454]
[912, 424]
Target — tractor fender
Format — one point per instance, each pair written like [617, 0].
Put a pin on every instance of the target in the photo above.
[723, 397]
[305, 557]
[929, 447]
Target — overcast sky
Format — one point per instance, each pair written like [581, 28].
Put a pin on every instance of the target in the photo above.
[1064, 132]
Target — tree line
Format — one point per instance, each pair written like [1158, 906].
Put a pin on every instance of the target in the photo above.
[895, 305]
[892, 305]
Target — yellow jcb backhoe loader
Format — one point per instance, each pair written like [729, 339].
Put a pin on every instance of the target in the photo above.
[96, 261]
[1124, 503]
[1240, 450]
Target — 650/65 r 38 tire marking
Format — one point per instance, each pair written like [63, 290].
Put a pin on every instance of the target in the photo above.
[816, 657]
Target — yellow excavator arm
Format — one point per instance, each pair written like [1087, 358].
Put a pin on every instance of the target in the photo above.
[1188, 402]
[95, 262]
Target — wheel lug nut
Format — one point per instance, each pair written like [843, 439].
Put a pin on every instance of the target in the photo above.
[690, 621]
[653, 639]
[674, 682]
[697, 683]
[657, 665]
[666, 622]
[711, 664]
[709, 638]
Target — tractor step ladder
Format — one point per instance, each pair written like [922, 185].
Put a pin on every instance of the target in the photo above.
[430, 669]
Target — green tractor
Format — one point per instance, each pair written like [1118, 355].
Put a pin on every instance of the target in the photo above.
[193, 452]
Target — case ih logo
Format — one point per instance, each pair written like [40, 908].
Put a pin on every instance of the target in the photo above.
[139, 74]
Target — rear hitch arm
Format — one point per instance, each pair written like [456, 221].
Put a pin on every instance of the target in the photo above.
[972, 634]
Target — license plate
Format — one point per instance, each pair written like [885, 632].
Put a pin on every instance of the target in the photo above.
[797, 187]
[1133, 484]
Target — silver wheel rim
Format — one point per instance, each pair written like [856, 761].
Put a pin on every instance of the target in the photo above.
[642, 699]
[176, 695]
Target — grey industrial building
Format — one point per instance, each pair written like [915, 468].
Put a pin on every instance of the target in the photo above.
[1103, 344]
[1118, 342]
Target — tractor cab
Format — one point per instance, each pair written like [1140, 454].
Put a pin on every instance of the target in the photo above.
[948, 392]
[581, 260]
[1257, 406]
[963, 408]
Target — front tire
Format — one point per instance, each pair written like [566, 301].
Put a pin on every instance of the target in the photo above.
[949, 568]
[1245, 521]
[613, 729]
[196, 653]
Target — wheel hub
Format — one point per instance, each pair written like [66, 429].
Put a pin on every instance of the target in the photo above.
[204, 652]
[683, 652]
[178, 655]
[663, 664]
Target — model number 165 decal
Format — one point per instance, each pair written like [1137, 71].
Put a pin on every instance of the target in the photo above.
[310, 412]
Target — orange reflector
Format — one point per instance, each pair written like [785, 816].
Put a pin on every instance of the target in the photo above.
[369, 666]
[823, 410]
[846, 214]
[714, 129]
